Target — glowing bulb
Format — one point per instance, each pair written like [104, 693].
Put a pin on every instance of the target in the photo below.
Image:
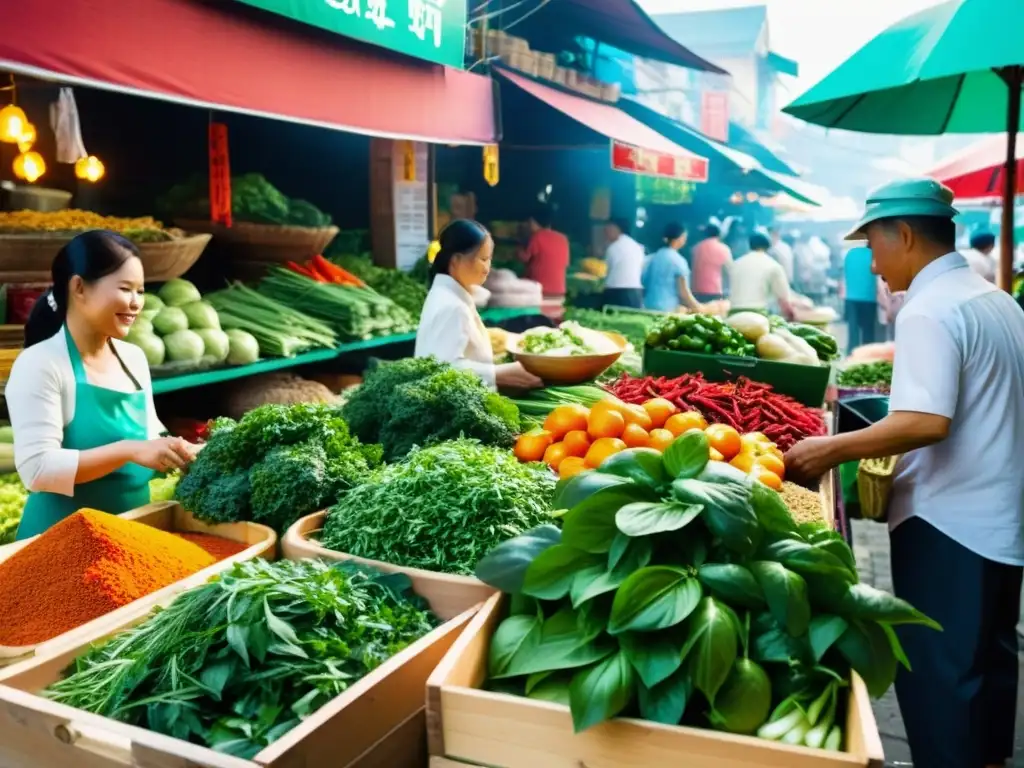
[751, 197]
[12, 124]
[28, 138]
[89, 168]
[736, 198]
[29, 166]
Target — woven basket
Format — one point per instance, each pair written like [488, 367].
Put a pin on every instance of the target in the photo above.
[265, 242]
[7, 361]
[874, 484]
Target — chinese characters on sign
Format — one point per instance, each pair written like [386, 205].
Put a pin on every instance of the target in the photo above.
[425, 18]
[411, 204]
[220, 175]
[630, 159]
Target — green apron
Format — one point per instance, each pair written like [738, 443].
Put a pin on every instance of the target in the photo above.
[102, 416]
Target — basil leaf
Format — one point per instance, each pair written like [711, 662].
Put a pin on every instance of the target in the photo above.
[823, 632]
[536, 679]
[786, 595]
[635, 549]
[775, 646]
[581, 487]
[598, 580]
[643, 466]
[600, 692]
[647, 518]
[666, 702]
[551, 573]
[839, 548]
[562, 645]
[687, 455]
[590, 525]
[732, 583]
[504, 567]
[711, 647]
[720, 473]
[897, 646]
[656, 597]
[554, 690]
[866, 646]
[654, 655]
[727, 511]
[805, 558]
[771, 511]
[865, 602]
[514, 635]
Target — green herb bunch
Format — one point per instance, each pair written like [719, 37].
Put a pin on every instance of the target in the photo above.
[13, 497]
[877, 375]
[238, 662]
[442, 508]
[405, 290]
[633, 326]
[422, 402]
[681, 590]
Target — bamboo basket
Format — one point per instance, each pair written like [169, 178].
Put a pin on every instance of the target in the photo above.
[874, 485]
[7, 357]
[167, 516]
[266, 243]
[545, 65]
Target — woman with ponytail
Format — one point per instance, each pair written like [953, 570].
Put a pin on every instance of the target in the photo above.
[450, 326]
[86, 433]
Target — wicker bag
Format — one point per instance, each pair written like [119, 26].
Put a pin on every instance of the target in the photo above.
[874, 484]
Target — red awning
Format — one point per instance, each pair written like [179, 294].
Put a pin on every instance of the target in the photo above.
[977, 171]
[608, 120]
[224, 56]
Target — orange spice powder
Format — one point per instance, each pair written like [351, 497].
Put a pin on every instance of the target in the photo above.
[217, 546]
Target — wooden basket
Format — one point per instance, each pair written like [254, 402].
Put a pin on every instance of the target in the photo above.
[471, 726]
[7, 357]
[167, 516]
[874, 484]
[265, 242]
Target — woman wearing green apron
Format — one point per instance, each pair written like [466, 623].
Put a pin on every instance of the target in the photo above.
[86, 433]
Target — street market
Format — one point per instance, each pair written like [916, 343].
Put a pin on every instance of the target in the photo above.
[436, 384]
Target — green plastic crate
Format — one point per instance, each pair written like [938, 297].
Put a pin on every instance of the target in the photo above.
[804, 383]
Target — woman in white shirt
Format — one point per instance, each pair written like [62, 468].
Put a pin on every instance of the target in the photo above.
[450, 327]
[86, 433]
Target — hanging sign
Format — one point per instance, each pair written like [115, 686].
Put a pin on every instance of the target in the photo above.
[408, 161]
[645, 162]
[492, 169]
[220, 175]
[411, 204]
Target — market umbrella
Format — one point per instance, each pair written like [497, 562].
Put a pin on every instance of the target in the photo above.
[953, 68]
[976, 172]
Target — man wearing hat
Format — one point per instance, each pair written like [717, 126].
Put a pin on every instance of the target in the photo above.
[956, 512]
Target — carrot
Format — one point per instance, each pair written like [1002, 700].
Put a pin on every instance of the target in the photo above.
[299, 269]
[323, 274]
[336, 273]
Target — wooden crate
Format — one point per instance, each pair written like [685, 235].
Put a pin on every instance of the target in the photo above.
[377, 723]
[167, 516]
[468, 725]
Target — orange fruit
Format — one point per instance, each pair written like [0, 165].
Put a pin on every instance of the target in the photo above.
[554, 455]
[566, 418]
[744, 461]
[571, 466]
[716, 456]
[659, 409]
[577, 443]
[635, 414]
[635, 436]
[768, 478]
[660, 439]
[530, 446]
[602, 448]
[683, 422]
[605, 422]
[724, 439]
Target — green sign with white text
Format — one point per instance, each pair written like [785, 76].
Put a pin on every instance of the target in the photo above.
[432, 30]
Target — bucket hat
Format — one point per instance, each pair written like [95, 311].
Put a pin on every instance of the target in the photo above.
[906, 197]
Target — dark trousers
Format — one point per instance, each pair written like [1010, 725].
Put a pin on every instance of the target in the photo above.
[959, 703]
[624, 297]
[861, 318]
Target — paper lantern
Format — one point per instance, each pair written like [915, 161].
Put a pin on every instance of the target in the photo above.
[29, 166]
[12, 124]
[28, 138]
[89, 168]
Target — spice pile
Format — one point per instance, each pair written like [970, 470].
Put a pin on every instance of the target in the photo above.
[85, 566]
[218, 547]
[744, 405]
[804, 505]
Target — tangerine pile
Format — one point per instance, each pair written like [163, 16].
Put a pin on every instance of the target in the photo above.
[575, 438]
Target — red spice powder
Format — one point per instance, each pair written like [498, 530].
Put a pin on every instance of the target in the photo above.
[217, 546]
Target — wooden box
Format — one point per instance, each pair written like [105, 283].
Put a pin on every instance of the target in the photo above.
[467, 725]
[167, 516]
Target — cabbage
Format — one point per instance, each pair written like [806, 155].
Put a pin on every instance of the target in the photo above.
[170, 320]
[142, 324]
[216, 343]
[184, 346]
[201, 315]
[178, 292]
[242, 347]
[151, 344]
[151, 305]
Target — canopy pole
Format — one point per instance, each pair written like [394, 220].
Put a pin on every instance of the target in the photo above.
[1013, 78]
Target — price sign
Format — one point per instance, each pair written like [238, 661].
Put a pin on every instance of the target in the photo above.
[645, 162]
[492, 169]
[220, 175]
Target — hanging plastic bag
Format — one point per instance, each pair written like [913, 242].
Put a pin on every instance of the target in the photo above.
[67, 128]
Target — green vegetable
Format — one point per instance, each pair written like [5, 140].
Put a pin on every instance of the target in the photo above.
[744, 700]
[407, 291]
[869, 375]
[201, 315]
[634, 327]
[442, 509]
[703, 334]
[238, 662]
[184, 346]
[178, 293]
[216, 343]
[151, 304]
[162, 488]
[12, 502]
[7, 434]
[253, 199]
[170, 320]
[279, 329]
[535, 406]
[243, 348]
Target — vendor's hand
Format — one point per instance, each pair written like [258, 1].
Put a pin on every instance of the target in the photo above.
[808, 460]
[514, 376]
[164, 454]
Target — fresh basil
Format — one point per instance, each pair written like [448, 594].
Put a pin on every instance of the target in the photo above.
[602, 691]
[515, 635]
[561, 645]
[638, 549]
[866, 646]
[824, 631]
[865, 602]
[577, 489]
[554, 690]
[652, 598]
[590, 525]
[504, 567]
[711, 647]
[654, 655]
[666, 702]
[646, 518]
[550, 575]
[803, 558]
[598, 580]
[771, 511]
[897, 646]
[644, 466]
[727, 511]
[687, 455]
[732, 583]
[786, 595]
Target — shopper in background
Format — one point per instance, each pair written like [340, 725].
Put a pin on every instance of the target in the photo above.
[979, 255]
[623, 286]
[758, 282]
[861, 297]
[710, 257]
[546, 254]
[781, 252]
[666, 276]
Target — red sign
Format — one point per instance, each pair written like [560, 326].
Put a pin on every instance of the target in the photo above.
[220, 175]
[645, 162]
[714, 115]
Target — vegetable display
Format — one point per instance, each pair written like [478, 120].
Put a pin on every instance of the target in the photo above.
[699, 333]
[442, 508]
[877, 375]
[404, 289]
[680, 590]
[421, 402]
[744, 405]
[144, 229]
[275, 465]
[253, 199]
[535, 405]
[568, 340]
[177, 326]
[12, 502]
[238, 662]
[634, 327]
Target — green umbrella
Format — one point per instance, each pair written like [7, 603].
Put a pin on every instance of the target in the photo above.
[957, 67]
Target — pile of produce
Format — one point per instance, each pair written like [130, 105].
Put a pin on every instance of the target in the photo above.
[253, 199]
[405, 290]
[281, 388]
[68, 222]
[12, 502]
[706, 334]
[237, 663]
[575, 438]
[274, 328]
[744, 405]
[83, 567]
[535, 405]
[634, 326]
[681, 591]
[876, 376]
[508, 290]
[162, 488]
[275, 465]
[568, 340]
[442, 508]
[421, 402]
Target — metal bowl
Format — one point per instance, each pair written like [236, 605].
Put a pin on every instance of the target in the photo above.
[567, 371]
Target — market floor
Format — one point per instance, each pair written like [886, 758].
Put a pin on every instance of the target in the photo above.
[871, 546]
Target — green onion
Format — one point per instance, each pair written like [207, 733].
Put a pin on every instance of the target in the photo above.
[280, 330]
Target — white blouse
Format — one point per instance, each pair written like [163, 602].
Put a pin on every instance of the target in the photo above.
[40, 397]
[451, 330]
